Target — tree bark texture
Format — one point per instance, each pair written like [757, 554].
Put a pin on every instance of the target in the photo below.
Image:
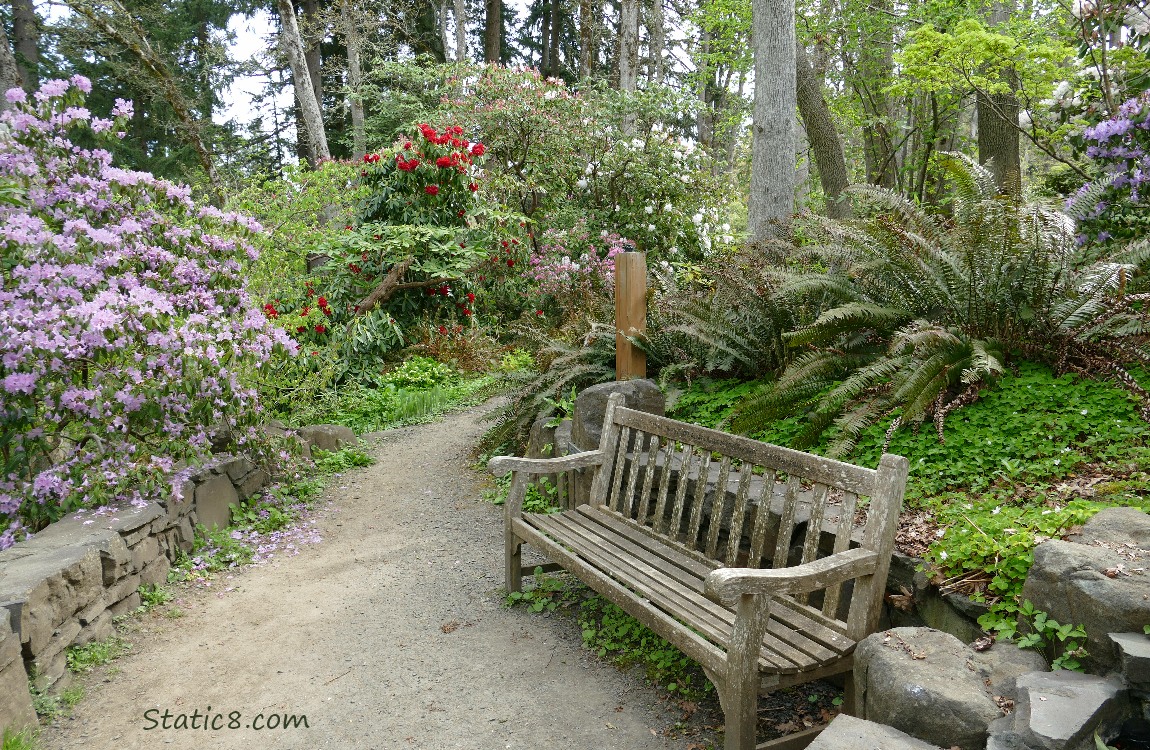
[998, 126]
[354, 43]
[628, 44]
[587, 21]
[772, 196]
[310, 111]
[313, 54]
[493, 32]
[553, 46]
[545, 22]
[9, 70]
[26, 41]
[657, 39]
[823, 137]
[441, 20]
[460, 11]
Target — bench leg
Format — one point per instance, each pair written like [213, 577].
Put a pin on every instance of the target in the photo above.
[740, 702]
[514, 573]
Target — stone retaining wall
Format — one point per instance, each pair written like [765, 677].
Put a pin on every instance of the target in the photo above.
[63, 587]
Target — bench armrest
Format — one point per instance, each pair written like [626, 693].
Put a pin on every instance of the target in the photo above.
[501, 465]
[727, 585]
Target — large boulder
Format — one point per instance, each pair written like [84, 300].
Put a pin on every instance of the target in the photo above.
[1061, 711]
[1094, 582]
[591, 404]
[1003, 663]
[1134, 658]
[327, 437]
[925, 683]
[848, 733]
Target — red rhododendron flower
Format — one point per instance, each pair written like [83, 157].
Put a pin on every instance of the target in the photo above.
[445, 290]
[301, 329]
[443, 330]
[473, 187]
[407, 146]
[461, 213]
[322, 301]
[510, 262]
[478, 149]
[504, 243]
[538, 312]
[471, 296]
[320, 328]
[431, 190]
[306, 309]
[466, 312]
[430, 292]
[443, 162]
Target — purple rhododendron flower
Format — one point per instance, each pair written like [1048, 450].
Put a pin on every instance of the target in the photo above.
[123, 335]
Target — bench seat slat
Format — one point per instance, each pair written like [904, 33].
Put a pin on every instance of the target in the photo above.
[792, 628]
[806, 620]
[788, 646]
[651, 583]
[690, 643]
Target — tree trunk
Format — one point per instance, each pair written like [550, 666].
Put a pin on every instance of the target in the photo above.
[556, 28]
[587, 22]
[493, 32]
[354, 43]
[312, 54]
[310, 111]
[704, 120]
[441, 22]
[26, 39]
[628, 54]
[545, 38]
[823, 137]
[460, 11]
[9, 70]
[772, 196]
[998, 126]
[628, 44]
[657, 31]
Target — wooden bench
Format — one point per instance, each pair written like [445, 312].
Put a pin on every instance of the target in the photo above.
[691, 530]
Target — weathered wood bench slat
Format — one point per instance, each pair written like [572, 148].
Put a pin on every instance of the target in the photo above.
[811, 638]
[816, 468]
[687, 562]
[783, 648]
[827, 631]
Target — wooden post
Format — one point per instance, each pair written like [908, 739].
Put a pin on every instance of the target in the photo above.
[630, 314]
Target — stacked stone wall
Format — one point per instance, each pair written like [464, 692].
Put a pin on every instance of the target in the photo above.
[65, 585]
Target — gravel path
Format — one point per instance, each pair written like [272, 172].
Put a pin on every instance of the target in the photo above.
[389, 634]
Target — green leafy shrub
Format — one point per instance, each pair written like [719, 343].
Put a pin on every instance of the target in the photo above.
[96, 654]
[341, 460]
[1062, 645]
[419, 373]
[919, 312]
[612, 633]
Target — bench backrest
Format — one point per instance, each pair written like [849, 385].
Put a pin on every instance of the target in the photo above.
[711, 501]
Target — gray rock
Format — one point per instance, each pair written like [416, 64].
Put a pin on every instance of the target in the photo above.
[1003, 663]
[15, 701]
[938, 613]
[155, 572]
[254, 481]
[1134, 658]
[925, 683]
[541, 439]
[848, 733]
[213, 499]
[99, 629]
[1067, 581]
[126, 605]
[1117, 526]
[327, 437]
[1060, 711]
[590, 405]
[145, 551]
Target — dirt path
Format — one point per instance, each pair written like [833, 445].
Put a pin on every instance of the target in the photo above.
[389, 634]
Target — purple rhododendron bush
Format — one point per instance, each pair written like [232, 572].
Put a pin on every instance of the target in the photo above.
[125, 328]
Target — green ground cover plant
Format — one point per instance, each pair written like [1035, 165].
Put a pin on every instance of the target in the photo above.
[83, 659]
